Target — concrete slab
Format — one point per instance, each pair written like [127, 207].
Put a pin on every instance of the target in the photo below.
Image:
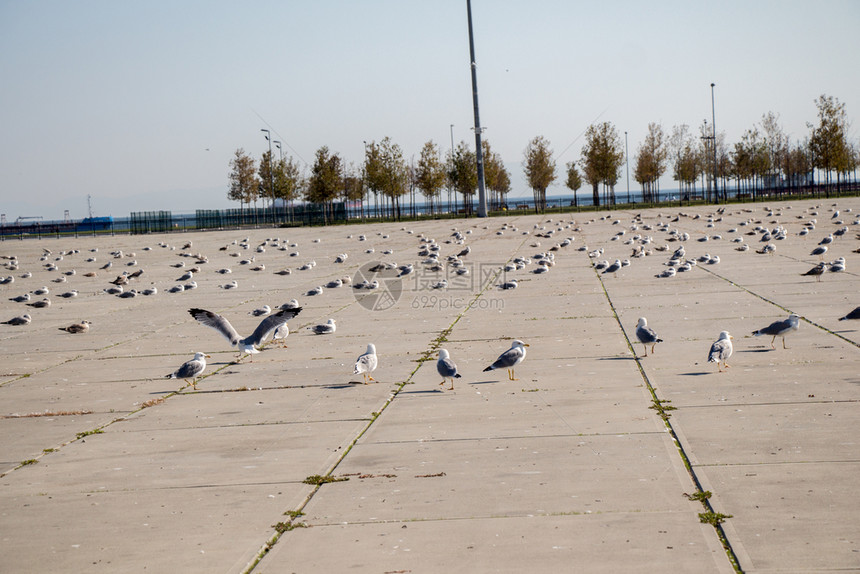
[538, 473]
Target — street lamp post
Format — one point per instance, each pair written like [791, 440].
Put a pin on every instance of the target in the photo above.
[627, 166]
[714, 128]
[452, 167]
[479, 152]
[271, 179]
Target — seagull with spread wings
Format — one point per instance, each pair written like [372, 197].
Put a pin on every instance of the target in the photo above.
[250, 343]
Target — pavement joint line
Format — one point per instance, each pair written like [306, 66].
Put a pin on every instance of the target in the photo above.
[775, 403]
[705, 500]
[775, 304]
[776, 463]
[518, 515]
[425, 356]
[518, 437]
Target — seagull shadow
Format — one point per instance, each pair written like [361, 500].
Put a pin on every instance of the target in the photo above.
[620, 358]
[485, 382]
[757, 351]
[697, 374]
[428, 392]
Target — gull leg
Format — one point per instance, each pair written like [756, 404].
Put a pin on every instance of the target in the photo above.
[783, 343]
[645, 348]
[772, 346]
[652, 348]
[452, 384]
[728, 366]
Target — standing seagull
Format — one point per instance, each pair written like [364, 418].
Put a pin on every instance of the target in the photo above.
[510, 359]
[855, 314]
[721, 350]
[446, 368]
[646, 335]
[816, 271]
[190, 369]
[780, 329]
[250, 343]
[366, 363]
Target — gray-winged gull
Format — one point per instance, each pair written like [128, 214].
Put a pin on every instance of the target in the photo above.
[81, 327]
[510, 359]
[446, 368]
[255, 339]
[779, 329]
[816, 271]
[366, 363]
[721, 350]
[646, 335]
[326, 328]
[190, 369]
[22, 320]
[855, 314]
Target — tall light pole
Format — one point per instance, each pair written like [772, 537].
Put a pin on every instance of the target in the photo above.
[280, 159]
[271, 179]
[479, 152]
[714, 126]
[627, 166]
[452, 167]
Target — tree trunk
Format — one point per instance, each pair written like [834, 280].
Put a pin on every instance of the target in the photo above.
[595, 194]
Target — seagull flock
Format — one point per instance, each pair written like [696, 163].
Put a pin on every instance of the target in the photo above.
[130, 282]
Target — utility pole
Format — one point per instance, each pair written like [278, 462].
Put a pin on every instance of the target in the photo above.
[479, 152]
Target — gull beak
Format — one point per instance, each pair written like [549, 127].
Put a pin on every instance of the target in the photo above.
[208, 356]
[525, 344]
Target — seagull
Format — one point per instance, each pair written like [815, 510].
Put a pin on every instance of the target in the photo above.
[613, 267]
[816, 271]
[365, 363]
[250, 343]
[20, 298]
[261, 312]
[820, 251]
[22, 320]
[40, 304]
[446, 368]
[780, 329]
[510, 359]
[646, 335]
[855, 314]
[512, 284]
[326, 328]
[81, 327]
[190, 369]
[721, 350]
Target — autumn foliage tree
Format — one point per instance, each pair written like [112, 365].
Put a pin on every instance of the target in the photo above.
[602, 158]
[496, 177]
[430, 173]
[539, 168]
[244, 184]
[651, 161]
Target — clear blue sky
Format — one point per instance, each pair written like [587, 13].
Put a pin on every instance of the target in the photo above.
[142, 104]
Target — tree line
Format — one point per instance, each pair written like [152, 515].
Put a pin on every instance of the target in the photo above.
[703, 165]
